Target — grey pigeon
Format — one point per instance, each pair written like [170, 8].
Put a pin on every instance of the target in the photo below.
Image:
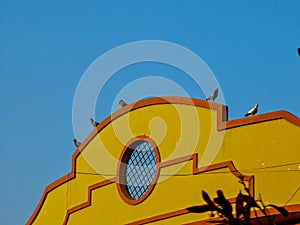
[122, 103]
[76, 143]
[213, 96]
[94, 123]
[252, 111]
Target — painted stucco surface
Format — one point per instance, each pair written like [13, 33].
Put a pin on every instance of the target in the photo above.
[194, 142]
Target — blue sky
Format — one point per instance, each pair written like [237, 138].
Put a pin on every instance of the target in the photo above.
[45, 48]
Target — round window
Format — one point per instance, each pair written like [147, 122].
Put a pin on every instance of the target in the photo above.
[138, 170]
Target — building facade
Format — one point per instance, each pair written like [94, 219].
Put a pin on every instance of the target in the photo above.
[149, 161]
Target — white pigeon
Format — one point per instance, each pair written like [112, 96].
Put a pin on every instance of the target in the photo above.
[214, 95]
[94, 123]
[76, 143]
[252, 111]
[122, 103]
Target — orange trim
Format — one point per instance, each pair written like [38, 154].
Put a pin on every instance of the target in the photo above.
[222, 124]
[54, 185]
[196, 170]
[89, 201]
[166, 215]
[281, 114]
[294, 214]
[124, 159]
[160, 217]
[292, 219]
[222, 112]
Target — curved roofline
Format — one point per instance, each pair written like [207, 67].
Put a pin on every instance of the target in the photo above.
[222, 124]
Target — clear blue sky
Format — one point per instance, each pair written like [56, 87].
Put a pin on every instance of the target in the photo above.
[46, 47]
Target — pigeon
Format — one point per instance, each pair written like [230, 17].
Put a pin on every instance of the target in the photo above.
[299, 51]
[94, 123]
[122, 103]
[76, 143]
[213, 96]
[252, 111]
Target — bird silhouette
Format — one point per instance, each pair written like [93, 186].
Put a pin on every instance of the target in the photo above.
[76, 142]
[94, 123]
[122, 103]
[252, 111]
[299, 51]
[214, 95]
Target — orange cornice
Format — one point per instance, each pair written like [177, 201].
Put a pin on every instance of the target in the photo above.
[222, 124]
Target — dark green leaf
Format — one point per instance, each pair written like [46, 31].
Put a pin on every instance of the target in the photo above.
[250, 200]
[239, 206]
[246, 214]
[206, 198]
[199, 209]
[218, 222]
[224, 203]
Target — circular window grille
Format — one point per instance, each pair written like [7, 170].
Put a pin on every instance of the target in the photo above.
[138, 169]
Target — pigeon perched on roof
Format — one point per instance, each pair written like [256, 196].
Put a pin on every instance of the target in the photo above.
[252, 111]
[76, 143]
[94, 123]
[213, 96]
[122, 103]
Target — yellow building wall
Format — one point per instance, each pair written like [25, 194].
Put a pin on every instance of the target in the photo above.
[267, 150]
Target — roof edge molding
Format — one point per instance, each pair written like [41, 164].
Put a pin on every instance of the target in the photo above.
[222, 124]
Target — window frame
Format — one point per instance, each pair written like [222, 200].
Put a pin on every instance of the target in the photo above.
[122, 168]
